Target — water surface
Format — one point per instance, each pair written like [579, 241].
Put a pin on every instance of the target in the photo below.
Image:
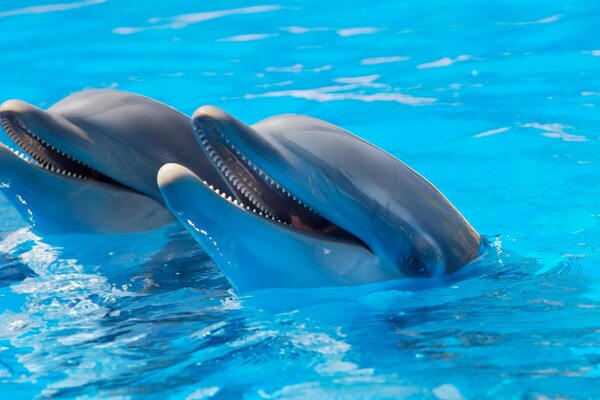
[496, 105]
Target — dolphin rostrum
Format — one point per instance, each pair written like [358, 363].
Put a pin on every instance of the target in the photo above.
[319, 207]
[88, 164]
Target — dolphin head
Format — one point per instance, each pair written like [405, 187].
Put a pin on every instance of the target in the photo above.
[316, 179]
[89, 162]
[106, 135]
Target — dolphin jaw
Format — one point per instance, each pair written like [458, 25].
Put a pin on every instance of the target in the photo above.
[213, 140]
[11, 125]
[232, 237]
[241, 187]
[22, 155]
[34, 150]
[171, 171]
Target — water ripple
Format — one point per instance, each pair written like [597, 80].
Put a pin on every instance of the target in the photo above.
[546, 20]
[383, 60]
[184, 20]
[367, 30]
[444, 62]
[348, 91]
[556, 131]
[248, 37]
[492, 132]
[43, 9]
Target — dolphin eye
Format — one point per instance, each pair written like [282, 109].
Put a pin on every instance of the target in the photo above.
[415, 267]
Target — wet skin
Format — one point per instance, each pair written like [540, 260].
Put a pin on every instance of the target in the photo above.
[88, 164]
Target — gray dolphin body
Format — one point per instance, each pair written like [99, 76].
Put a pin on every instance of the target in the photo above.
[88, 164]
[319, 207]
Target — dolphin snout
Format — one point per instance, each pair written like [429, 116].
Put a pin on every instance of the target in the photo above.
[211, 112]
[171, 173]
[16, 106]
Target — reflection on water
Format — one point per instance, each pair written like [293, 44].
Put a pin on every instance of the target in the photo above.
[182, 21]
[347, 89]
[48, 8]
[496, 106]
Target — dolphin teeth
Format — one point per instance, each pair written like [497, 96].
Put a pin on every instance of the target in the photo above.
[241, 183]
[34, 154]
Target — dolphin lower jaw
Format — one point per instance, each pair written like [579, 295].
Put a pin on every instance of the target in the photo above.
[38, 152]
[53, 203]
[255, 252]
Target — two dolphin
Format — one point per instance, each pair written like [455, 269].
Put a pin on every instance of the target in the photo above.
[290, 202]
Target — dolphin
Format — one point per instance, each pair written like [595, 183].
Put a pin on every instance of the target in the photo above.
[88, 164]
[319, 207]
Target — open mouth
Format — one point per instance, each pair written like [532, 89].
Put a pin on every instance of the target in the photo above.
[256, 191]
[36, 151]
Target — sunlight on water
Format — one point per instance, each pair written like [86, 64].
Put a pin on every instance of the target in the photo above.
[495, 105]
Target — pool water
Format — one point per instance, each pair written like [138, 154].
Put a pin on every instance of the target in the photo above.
[497, 105]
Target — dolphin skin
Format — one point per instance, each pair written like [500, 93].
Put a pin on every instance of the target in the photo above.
[88, 164]
[314, 206]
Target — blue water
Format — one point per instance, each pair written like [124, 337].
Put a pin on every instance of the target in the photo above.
[496, 105]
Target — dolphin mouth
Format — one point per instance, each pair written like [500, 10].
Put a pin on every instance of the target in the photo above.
[36, 151]
[255, 191]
